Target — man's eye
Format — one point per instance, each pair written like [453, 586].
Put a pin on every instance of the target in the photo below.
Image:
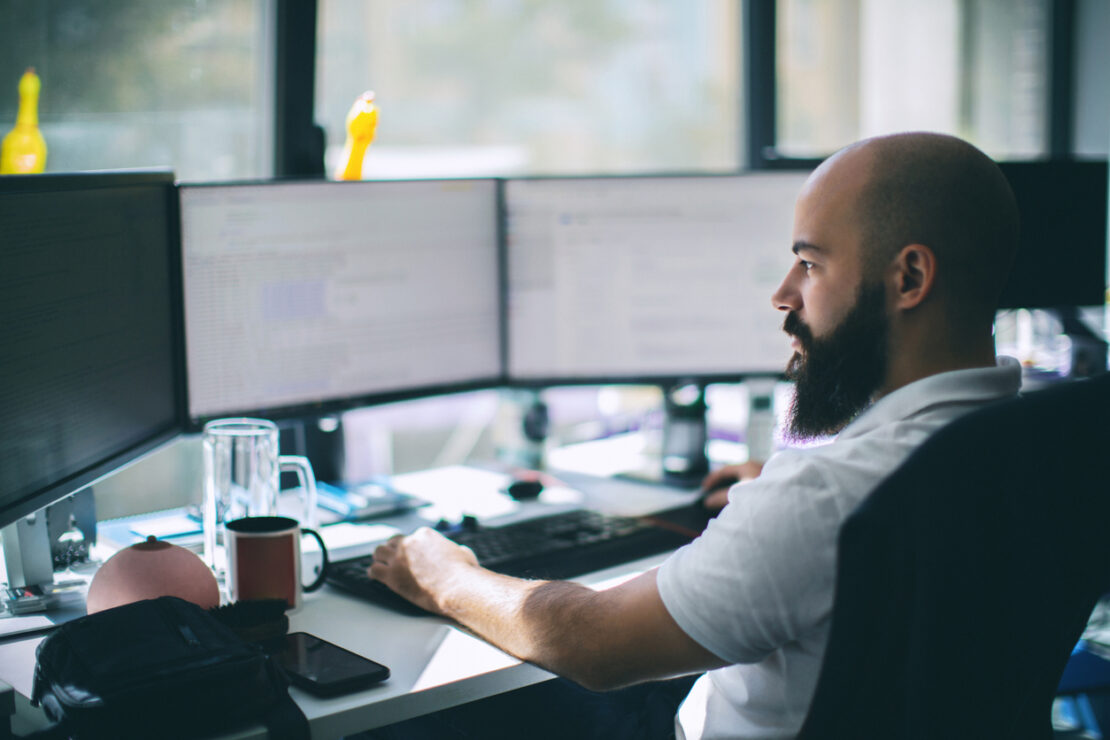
[806, 265]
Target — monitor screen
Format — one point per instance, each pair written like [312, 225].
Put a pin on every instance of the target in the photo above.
[1061, 258]
[91, 371]
[647, 278]
[306, 296]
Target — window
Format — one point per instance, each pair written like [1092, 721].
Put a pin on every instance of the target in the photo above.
[183, 84]
[848, 69]
[500, 87]
[1092, 95]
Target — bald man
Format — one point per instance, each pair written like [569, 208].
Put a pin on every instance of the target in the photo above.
[902, 246]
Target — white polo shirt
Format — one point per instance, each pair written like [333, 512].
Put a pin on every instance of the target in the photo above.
[756, 589]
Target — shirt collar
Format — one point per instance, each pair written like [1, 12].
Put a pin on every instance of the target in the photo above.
[976, 385]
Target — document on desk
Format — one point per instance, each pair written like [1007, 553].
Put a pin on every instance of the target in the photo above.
[454, 490]
[175, 523]
[623, 496]
[348, 540]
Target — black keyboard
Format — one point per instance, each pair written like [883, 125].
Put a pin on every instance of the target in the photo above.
[555, 546]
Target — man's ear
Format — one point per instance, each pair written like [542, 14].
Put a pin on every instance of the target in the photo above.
[913, 274]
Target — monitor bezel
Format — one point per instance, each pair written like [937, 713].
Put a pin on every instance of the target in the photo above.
[664, 380]
[90, 474]
[333, 406]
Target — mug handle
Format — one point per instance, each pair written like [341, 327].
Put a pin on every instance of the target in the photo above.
[323, 564]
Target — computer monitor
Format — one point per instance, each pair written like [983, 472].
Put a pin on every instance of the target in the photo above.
[1061, 258]
[91, 373]
[647, 279]
[306, 297]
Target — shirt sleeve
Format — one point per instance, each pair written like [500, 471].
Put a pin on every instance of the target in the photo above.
[762, 573]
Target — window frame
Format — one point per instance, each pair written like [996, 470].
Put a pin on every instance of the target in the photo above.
[299, 141]
[760, 25]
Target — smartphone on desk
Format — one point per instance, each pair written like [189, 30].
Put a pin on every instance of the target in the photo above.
[323, 668]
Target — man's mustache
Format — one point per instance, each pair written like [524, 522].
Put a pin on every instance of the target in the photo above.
[795, 327]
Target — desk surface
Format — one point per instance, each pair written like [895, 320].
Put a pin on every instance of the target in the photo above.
[435, 664]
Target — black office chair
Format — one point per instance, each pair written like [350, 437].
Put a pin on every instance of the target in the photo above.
[966, 578]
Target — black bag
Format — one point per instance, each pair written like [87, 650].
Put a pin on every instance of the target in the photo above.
[159, 668]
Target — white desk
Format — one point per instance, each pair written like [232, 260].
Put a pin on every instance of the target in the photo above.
[434, 663]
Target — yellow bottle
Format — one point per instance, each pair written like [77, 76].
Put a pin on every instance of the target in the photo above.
[23, 151]
[362, 123]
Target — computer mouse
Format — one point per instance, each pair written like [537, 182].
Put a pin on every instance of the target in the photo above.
[522, 490]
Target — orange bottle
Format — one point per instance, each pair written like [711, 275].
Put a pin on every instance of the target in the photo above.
[23, 150]
[362, 123]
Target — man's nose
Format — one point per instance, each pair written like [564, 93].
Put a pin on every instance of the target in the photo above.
[787, 297]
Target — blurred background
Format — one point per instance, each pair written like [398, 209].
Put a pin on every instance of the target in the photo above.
[228, 90]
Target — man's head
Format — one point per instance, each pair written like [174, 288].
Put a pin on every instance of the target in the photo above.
[903, 246]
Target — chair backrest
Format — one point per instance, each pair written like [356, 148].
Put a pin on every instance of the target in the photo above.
[965, 579]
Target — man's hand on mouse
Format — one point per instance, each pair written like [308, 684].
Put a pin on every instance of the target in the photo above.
[417, 566]
[716, 484]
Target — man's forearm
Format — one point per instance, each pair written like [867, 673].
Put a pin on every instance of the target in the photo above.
[601, 639]
[543, 622]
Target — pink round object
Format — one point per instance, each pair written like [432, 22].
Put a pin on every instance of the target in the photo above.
[151, 569]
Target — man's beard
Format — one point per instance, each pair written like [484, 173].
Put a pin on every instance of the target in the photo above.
[836, 376]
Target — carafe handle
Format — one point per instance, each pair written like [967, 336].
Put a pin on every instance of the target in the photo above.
[303, 468]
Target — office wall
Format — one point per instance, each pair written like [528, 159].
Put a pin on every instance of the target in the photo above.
[169, 477]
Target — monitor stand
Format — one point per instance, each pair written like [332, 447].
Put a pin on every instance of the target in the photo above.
[33, 544]
[684, 459]
[52, 538]
[27, 558]
[759, 434]
[521, 428]
[685, 433]
[320, 439]
[1088, 349]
